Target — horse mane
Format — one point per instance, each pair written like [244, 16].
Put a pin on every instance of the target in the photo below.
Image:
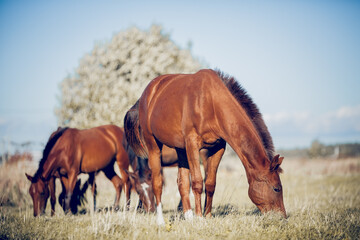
[49, 145]
[251, 109]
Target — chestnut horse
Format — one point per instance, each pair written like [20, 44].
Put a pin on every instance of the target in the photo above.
[76, 200]
[78, 194]
[190, 112]
[70, 152]
[141, 178]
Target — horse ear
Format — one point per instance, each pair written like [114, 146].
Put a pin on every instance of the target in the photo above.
[275, 163]
[29, 177]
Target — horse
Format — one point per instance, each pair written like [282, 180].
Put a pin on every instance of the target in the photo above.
[71, 151]
[77, 198]
[141, 177]
[207, 109]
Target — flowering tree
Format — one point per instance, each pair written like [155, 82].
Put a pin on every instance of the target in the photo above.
[109, 81]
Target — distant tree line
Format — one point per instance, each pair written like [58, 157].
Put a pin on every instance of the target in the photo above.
[321, 150]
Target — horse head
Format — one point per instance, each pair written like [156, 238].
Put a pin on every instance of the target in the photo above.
[265, 189]
[143, 187]
[39, 191]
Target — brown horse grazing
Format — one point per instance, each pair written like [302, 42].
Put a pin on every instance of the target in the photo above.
[70, 152]
[141, 178]
[76, 200]
[190, 112]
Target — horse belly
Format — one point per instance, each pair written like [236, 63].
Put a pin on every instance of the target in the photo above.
[96, 157]
[168, 132]
[93, 164]
[168, 156]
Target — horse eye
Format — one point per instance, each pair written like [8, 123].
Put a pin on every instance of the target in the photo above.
[277, 189]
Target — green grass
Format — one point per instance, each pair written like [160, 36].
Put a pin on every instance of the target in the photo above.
[320, 205]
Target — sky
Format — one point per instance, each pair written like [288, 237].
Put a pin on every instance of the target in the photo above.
[299, 60]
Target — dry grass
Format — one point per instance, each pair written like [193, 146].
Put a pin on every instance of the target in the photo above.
[322, 199]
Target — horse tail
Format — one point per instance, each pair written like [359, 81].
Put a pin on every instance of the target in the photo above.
[49, 146]
[133, 131]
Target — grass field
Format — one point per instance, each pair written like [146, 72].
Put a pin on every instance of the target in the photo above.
[322, 199]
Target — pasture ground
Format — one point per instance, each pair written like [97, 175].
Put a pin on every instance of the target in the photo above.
[322, 199]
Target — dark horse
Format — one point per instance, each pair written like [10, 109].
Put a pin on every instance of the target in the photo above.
[70, 152]
[190, 112]
[141, 178]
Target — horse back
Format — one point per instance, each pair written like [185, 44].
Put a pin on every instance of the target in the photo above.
[98, 147]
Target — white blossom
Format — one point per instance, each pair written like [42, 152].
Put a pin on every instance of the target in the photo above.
[110, 79]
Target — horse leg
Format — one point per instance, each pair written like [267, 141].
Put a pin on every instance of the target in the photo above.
[192, 143]
[155, 166]
[213, 161]
[52, 189]
[69, 190]
[122, 160]
[92, 183]
[180, 205]
[117, 182]
[204, 154]
[140, 206]
[127, 187]
[183, 182]
[64, 182]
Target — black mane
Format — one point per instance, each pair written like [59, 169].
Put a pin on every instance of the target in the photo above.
[251, 109]
[50, 144]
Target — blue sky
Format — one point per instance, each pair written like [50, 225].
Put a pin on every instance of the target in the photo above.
[299, 60]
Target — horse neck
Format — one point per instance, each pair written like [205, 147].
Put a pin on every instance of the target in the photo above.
[47, 162]
[242, 136]
[49, 167]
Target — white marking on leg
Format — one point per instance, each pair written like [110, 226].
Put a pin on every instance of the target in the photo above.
[159, 215]
[188, 215]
